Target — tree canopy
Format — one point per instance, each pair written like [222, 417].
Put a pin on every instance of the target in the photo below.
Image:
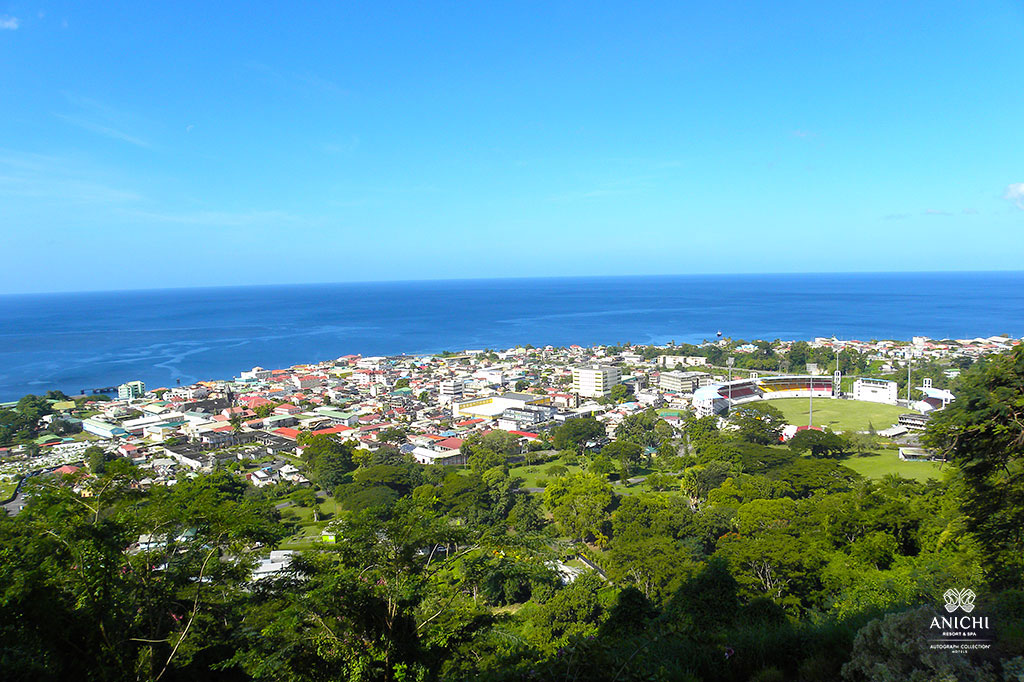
[982, 433]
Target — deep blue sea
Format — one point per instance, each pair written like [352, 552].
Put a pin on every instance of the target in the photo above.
[81, 341]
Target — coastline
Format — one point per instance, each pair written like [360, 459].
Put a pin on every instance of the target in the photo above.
[75, 341]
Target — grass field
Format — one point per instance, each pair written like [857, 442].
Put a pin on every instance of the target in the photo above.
[7, 489]
[839, 415]
[886, 462]
[533, 474]
[308, 533]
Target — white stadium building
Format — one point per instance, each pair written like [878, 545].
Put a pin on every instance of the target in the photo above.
[717, 398]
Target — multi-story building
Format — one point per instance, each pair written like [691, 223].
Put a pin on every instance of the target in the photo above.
[683, 382]
[594, 381]
[131, 390]
[516, 418]
[450, 391]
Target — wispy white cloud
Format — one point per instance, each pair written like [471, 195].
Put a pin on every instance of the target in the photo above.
[219, 218]
[8, 23]
[106, 131]
[58, 180]
[1015, 193]
[320, 83]
[590, 194]
[102, 119]
[931, 212]
[300, 77]
[342, 146]
[618, 187]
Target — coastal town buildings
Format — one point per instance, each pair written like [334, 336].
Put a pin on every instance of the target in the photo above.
[426, 406]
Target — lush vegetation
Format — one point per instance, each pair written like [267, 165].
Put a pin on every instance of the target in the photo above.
[735, 558]
[23, 423]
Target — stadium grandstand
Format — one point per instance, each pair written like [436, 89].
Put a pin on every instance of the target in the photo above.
[717, 398]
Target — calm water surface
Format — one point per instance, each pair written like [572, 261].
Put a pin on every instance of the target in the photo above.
[80, 341]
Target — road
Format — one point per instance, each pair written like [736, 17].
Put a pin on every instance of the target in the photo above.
[18, 501]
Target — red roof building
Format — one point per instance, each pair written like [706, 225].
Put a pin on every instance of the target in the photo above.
[331, 430]
[254, 401]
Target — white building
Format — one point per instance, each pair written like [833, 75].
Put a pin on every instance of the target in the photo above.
[594, 381]
[708, 401]
[103, 429]
[673, 361]
[683, 382]
[137, 426]
[875, 390]
[450, 391]
[256, 374]
[131, 390]
[195, 392]
[428, 456]
[934, 398]
[273, 564]
[490, 375]
[492, 407]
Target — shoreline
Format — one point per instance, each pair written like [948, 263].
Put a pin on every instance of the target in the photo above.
[978, 346]
[83, 341]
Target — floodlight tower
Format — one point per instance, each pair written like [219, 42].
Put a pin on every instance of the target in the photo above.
[909, 363]
[730, 362]
[810, 408]
[837, 377]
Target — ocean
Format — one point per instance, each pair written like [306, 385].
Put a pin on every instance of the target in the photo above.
[82, 341]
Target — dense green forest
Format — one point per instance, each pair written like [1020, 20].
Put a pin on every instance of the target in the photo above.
[739, 560]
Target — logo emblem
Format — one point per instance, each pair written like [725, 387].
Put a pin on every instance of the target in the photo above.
[959, 599]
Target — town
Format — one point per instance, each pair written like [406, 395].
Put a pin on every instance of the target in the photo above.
[425, 407]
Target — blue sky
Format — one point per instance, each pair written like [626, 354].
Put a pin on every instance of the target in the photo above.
[185, 144]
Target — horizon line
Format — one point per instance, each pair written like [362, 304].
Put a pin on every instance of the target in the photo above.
[252, 285]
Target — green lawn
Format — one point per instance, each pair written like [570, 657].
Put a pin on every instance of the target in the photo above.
[83, 437]
[7, 489]
[532, 474]
[839, 415]
[308, 532]
[307, 535]
[886, 462]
